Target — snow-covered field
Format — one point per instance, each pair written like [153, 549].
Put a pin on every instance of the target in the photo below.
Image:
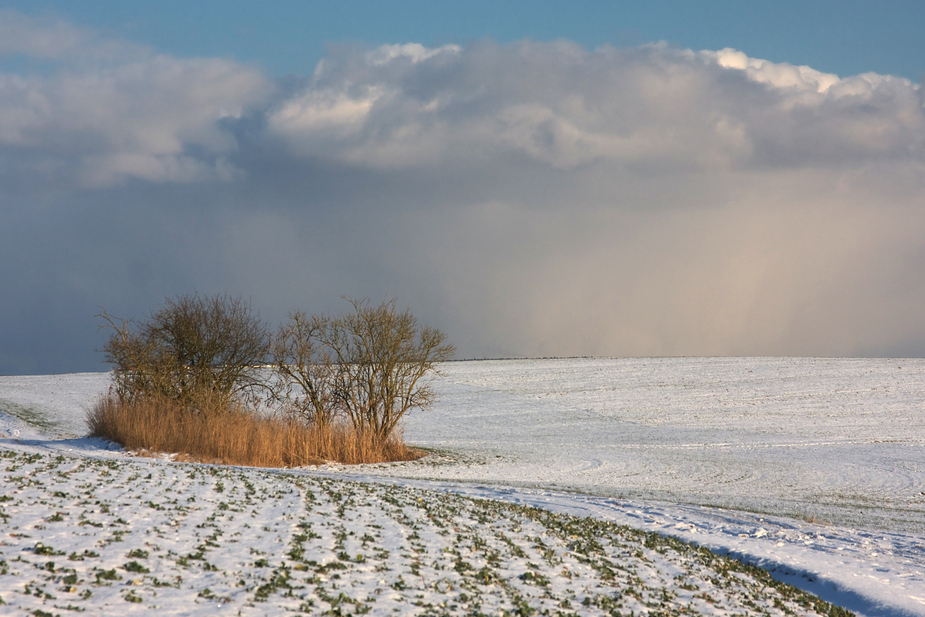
[813, 469]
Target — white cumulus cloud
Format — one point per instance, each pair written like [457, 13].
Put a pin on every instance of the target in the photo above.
[133, 115]
[566, 107]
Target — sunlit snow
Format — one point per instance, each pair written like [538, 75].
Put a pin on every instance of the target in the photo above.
[810, 468]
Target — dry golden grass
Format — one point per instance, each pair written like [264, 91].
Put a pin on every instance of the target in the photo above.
[235, 436]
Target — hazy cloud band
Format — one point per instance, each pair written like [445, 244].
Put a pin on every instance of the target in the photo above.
[530, 199]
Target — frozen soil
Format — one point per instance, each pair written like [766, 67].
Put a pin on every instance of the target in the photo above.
[127, 537]
[811, 469]
[840, 441]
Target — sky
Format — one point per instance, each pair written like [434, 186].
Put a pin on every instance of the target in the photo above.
[533, 178]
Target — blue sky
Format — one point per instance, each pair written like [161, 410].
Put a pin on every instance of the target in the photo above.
[289, 36]
[535, 179]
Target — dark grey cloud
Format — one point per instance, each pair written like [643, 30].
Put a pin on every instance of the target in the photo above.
[529, 199]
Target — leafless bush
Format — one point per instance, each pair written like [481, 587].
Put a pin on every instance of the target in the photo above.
[200, 351]
[185, 380]
[305, 369]
[370, 365]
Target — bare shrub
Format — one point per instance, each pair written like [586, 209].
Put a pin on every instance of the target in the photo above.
[187, 380]
[370, 365]
[235, 436]
[200, 351]
[305, 369]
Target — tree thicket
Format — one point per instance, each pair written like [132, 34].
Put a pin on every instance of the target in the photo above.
[366, 368]
[202, 351]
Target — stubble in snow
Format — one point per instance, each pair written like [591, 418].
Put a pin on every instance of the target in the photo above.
[134, 537]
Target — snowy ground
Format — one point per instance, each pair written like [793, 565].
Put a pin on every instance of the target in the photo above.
[654, 444]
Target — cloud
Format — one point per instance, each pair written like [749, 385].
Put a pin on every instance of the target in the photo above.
[415, 52]
[778, 75]
[122, 113]
[559, 105]
[529, 199]
[48, 38]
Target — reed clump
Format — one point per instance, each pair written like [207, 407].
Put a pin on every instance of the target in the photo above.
[234, 435]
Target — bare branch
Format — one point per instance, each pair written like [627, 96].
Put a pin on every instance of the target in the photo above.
[368, 365]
